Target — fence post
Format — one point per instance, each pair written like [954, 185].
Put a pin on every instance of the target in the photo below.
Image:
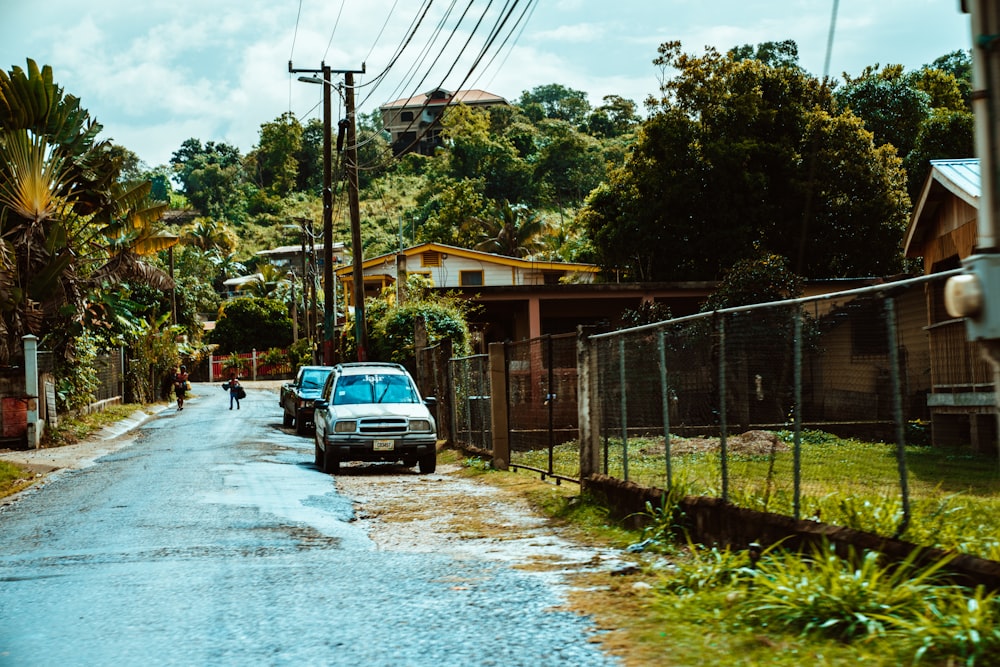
[31, 389]
[797, 417]
[442, 382]
[661, 346]
[253, 362]
[420, 342]
[498, 405]
[723, 446]
[623, 405]
[897, 412]
[588, 409]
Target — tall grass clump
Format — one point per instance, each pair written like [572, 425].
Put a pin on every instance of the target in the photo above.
[818, 591]
[954, 625]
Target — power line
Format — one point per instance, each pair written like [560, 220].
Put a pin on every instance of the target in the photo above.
[334, 31]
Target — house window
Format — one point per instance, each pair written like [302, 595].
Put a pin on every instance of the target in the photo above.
[430, 258]
[470, 278]
[406, 116]
[551, 277]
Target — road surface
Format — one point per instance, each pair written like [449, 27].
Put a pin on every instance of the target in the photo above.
[207, 537]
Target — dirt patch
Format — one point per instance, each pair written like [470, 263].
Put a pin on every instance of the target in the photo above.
[445, 512]
[751, 443]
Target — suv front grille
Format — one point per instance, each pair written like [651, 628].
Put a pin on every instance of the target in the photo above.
[383, 426]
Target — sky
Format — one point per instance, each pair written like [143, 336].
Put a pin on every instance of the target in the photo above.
[158, 72]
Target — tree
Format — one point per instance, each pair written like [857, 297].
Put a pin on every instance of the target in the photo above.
[310, 158]
[276, 155]
[208, 234]
[391, 326]
[514, 232]
[63, 213]
[246, 323]
[559, 102]
[959, 65]
[212, 178]
[772, 54]
[945, 135]
[474, 153]
[616, 117]
[722, 166]
[569, 163]
[892, 109]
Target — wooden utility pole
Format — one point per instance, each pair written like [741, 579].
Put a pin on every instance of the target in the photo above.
[357, 258]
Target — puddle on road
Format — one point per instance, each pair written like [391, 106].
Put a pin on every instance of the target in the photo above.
[295, 496]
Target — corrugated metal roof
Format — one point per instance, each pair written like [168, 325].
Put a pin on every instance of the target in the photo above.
[960, 178]
[962, 175]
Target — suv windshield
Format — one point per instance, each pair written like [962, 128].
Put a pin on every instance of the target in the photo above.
[373, 388]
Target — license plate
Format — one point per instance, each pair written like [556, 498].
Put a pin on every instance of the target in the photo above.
[384, 445]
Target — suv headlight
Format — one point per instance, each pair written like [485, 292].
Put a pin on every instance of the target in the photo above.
[346, 426]
[421, 425]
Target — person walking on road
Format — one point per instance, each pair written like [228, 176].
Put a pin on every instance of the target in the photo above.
[181, 385]
[235, 391]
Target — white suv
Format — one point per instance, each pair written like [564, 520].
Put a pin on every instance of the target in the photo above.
[373, 412]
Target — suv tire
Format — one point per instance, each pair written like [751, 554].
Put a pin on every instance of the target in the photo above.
[428, 463]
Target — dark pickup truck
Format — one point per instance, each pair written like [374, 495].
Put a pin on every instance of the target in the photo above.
[296, 397]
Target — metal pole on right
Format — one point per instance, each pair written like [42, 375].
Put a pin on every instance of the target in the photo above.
[975, 295]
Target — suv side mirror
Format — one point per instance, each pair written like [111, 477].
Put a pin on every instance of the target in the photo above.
[430, 401]
[321, 404]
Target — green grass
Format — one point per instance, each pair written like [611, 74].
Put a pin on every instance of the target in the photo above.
[954, 494]
[79, 427]
[13, 479]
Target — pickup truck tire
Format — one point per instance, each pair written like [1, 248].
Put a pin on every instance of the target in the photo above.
[318, 457]
[428, 463]
[300, 426]
[286, 419]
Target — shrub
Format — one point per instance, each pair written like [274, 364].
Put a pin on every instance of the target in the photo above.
[248, 323]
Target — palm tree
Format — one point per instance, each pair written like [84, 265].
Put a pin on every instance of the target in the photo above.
[59, 200]
[208, 234]
[267, 284]
[516, 232]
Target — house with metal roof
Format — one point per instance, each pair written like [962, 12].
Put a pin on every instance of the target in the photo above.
[943, 231]
[412, 122]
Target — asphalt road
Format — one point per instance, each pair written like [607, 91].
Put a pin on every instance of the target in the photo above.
[208, 538]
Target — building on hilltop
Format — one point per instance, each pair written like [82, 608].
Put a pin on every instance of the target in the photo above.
[412, 122]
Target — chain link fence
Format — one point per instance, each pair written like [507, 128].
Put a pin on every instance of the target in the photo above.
[813, 408]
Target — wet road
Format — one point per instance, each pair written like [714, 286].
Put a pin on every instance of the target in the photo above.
[212, 540]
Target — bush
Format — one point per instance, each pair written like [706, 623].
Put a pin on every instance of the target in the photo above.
[249, 323]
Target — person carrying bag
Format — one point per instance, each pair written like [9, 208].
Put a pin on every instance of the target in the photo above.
[236, 391]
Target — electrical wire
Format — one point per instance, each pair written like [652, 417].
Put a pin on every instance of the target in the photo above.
[334, 31]
[451, 68]
[523, 21]
[494, 33]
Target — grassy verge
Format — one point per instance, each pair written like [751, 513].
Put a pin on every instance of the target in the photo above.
[14, 479]
[78, 428]
[688, 605]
